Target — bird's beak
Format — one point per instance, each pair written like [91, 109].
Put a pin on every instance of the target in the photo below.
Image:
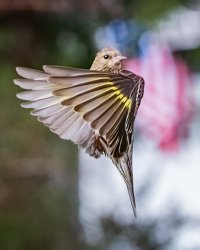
[118, 59]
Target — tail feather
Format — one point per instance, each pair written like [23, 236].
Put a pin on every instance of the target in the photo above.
[132, 197]
[124, 165]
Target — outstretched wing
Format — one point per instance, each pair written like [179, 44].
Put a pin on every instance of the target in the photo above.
[77, 103]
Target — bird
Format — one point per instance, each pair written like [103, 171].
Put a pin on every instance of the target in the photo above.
[94, 108]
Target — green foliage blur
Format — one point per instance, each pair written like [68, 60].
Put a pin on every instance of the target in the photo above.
[38, 171]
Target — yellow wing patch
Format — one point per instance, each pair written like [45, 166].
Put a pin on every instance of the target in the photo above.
[128, 104]
[124, 99]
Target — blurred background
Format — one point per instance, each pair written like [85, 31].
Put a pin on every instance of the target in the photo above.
[54, 197]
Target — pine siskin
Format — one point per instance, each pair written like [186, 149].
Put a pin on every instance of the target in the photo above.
[95, 108]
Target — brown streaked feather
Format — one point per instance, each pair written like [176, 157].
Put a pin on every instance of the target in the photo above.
[68, 71]
[136, 97]
[93, 104]
[70, 81]
[113, 121]
[91, 113]
[83, 92]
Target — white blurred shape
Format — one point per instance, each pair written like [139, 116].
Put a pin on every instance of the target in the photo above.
[180, 29]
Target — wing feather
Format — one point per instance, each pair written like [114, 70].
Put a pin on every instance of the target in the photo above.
[80, 80]
[113, 122]
[32, 84]
[49, 111]
[34, 95]
[56, 123]
[94, 103]
[44, 103]
[106, 116]
[55, 118]
[86, 96]
[94, 112]
[32, 73]
[68, 71]
[62, 71]
[73, 128]
[67, 124]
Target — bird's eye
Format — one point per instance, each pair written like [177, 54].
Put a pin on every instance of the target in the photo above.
[106, 56]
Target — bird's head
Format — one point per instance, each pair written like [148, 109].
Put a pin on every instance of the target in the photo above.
[108, 59]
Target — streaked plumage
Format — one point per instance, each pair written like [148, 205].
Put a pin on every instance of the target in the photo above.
[94, 108]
